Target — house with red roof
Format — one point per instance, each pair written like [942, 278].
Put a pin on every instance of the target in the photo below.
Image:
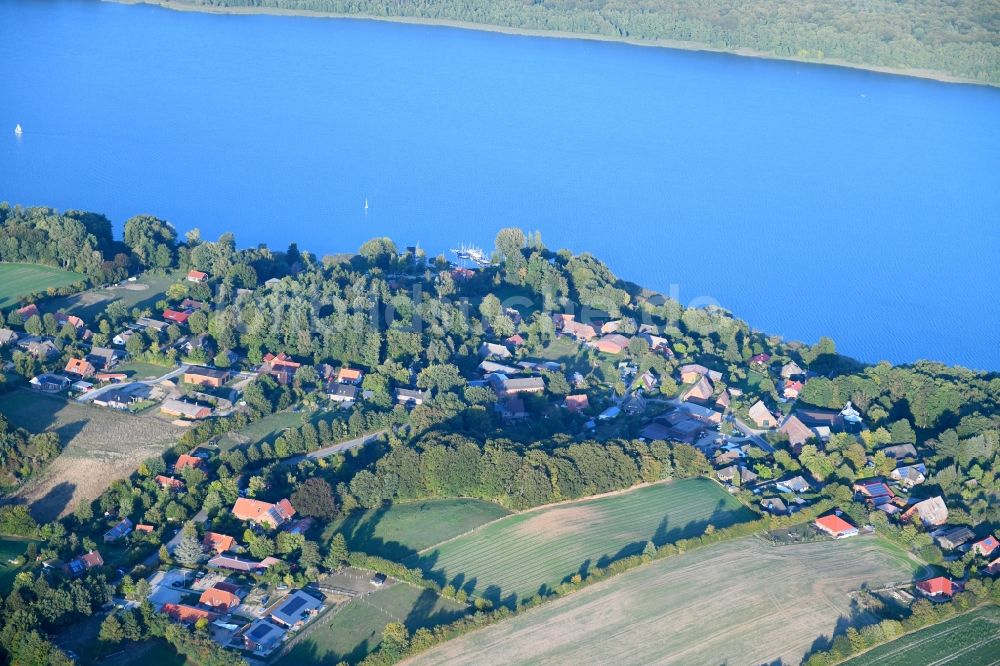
[187, 614]
[176, 316]
[613, 343]
[577, 403]
[83, 564]
[349, 376]
[28, 311]
[79, 367]
[986, 547]
[220, 600]
[836, 527]
[169, 483]
[264, 513]
[939, 588]
[196, 276]
[218, 543]
[187, 461]
[515, 340]
[280, 366]
[792, 389]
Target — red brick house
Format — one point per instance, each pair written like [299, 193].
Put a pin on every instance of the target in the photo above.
[264, 513]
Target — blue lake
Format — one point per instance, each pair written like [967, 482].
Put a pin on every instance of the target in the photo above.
[808, 200]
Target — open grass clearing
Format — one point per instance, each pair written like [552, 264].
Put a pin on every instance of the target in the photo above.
[143, 293]
[268, 428]
[738, 602]
[401, 530]
[140, 370]
[19, 280]
[356, 629]
[515, 557]
[10, 548]
[972, 639]
[100, 445]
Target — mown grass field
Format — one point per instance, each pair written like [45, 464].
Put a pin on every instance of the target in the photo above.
[737, 602]
[400, 530]
[99, 446]
[10, 548]
[137, 370]
[17, 280]
[355, 630]
[515, 557]
[972, 639]
[147, 289]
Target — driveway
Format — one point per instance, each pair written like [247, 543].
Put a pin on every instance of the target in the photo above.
[96, 393]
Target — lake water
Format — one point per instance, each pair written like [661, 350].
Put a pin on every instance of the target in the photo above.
[809, 200]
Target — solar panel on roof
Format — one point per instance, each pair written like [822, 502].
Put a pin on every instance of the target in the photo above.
[260, 631]
[292, 605]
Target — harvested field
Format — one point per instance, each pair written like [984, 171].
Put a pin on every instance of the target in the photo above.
[738, 602]
[513, 558]
[972, 639]
[99, 446]
[17, 280]
[400, 530]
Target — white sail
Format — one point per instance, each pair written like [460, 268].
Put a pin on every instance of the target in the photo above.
[17, 129]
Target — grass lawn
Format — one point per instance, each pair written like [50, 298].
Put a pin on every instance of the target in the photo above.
[10, 547]
[517, 556]
[356, 630]
[17, 280]
[972, 639]
[140, 370]
[261, 430]
[143, 294]
[400, 530]
[738, 602]
[99, 446]
[573, 356]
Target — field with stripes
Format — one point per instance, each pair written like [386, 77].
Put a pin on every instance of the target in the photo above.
[972, 639]
[515, 557]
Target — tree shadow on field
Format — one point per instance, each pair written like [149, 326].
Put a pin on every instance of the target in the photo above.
[423, 613]
[68, 431]
[49, 507]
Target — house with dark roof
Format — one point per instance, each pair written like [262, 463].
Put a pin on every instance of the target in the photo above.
[262, 637]
[874, 491]
[899, 451]
[122, 529]
[343, 392]
[775, 506]
[909, 475]
[204, 376]
[411, 396]
[796, 484]
[41, 348]
[296, 609]
[954, 537]
[49, 383]
[280, 366]
[103, 358]
[233, 563]
[83, 564]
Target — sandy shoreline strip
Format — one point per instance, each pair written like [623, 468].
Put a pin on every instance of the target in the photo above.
[483, 27]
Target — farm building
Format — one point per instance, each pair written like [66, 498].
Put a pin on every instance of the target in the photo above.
[836, 527]
[202, 376]
[505, 386]
[185, 410]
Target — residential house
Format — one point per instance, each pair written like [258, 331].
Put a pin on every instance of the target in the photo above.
[169, 483]
[986, 547]
[280, 366]
[492, 368]
[792, 389]
[568, 325]
[993, 568]
[515, 340]
[953, 538]
[185, 410]
[41, 348]
[217, 543]
[219, 599]
[406, 396]
[186, 614]
[196, 276]
[762, 416]
[798, 432]
[122, 529]
[29, 311]
[836, 527]
[202, 376]
[122, 338]
[296, 609]
[909, 475]
[232, 563]
[190, 305]
[648, 381]
[900, 451]
[7, 337]
[691, 372]
[490, 350]
[79, 367]
[156, 325]
[874, 491]
[699, 412]
[775, 506]
[796, 484]
[723, 401]
[350, 376]
[760, 359]
[815, 418]
[263, 513]
[938, 588]
[176, 316]
[198, 342]
[577, 403]
[791, 370]
[62, 319]
[49, 383]
[81, 386]
[145, 529]
[184, 461]
[83, 564]
[346, 393]
[613, 343]
[103, 358]
[701, 390]
[931, 511]
[736, 474]
[262, 637]
[117, 399]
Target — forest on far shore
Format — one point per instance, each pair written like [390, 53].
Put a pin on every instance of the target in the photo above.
[955, 37]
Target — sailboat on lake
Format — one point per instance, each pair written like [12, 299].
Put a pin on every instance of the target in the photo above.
[18, 130]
